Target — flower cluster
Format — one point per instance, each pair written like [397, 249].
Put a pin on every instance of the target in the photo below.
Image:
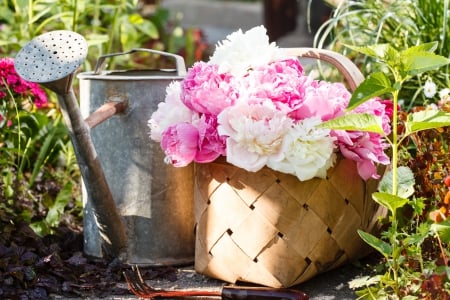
[11, 84]
[255, 105]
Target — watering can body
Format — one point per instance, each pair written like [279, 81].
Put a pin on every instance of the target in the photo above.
[155, 200]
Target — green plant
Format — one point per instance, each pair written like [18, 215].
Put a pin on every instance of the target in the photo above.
[402, 24]
[396, 243]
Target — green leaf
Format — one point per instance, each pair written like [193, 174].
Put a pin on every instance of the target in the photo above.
[378, 51]
[405, 185]
[374, 85]
[149, 29]
[57, 209]
[443, 229]
[389, 201]
[414, 63]
[426, 119]
[384, 248]
[359, 122]
[427, 47]
[363, 281]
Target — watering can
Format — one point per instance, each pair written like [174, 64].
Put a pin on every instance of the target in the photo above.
[135, 206]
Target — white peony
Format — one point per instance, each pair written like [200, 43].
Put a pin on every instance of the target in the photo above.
[254, 134]
[308, 151]
[170, 112]
[243, 51]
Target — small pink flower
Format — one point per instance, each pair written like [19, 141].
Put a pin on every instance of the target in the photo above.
[19, 86]
[179, 143]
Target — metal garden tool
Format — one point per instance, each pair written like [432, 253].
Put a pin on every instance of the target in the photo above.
[138, 286]
[51, 59]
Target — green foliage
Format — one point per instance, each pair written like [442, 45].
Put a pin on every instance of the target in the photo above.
[401, 24]
[108, 26]
[398, 245]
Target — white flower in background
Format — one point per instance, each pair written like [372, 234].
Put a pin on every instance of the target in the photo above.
[243, 51]
[308, 151]
[170, 112]
[429, 89]
[444, 94]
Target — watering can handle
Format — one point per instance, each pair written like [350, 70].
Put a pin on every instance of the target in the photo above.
[180, 66]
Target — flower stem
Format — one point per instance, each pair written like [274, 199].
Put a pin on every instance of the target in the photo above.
[395, 143]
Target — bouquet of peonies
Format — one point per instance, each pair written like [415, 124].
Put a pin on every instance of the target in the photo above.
[254, 105]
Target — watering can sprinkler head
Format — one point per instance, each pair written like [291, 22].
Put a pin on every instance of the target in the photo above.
[51, 59]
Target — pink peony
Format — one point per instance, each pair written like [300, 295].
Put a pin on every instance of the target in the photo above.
[322, 99]
[257, 108]
[210, 144]
[278, 81]
[206, 91]
[179, 143]
[366, 148]
[170, 112]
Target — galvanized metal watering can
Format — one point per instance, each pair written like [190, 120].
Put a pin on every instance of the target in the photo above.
[135, 207]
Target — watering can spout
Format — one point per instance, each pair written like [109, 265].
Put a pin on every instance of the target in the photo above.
[51, 59]
[60, 86]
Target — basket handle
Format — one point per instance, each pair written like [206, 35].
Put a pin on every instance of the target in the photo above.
[349, 70]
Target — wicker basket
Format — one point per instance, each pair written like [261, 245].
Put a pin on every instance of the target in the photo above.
[269, 228]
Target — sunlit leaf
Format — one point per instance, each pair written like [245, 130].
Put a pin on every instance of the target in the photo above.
[376, 84]
[377, 51]
[427, 47]
[389, 201]
[363, 281]
[426, 119]
[360, 122]
[418, 62]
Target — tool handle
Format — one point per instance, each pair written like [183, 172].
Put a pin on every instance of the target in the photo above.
[261, 293]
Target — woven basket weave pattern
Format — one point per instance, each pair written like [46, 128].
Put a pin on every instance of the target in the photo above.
[269, 228]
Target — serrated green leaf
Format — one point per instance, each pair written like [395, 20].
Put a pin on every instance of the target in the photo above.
[358, 122]
[384, 248]
[405, 185]
[374, 85]
[427, 47]
[378, 51]
[426, 119]
[414, 63]
[389, 201]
